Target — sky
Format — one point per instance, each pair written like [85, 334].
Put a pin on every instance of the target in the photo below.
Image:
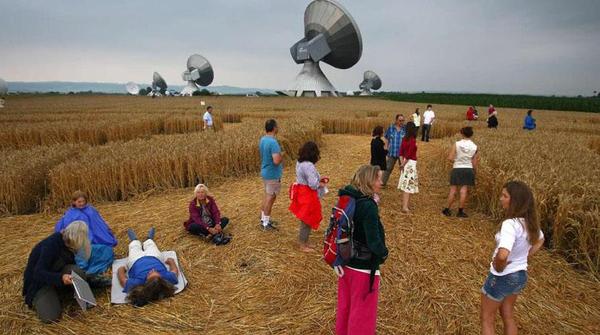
[493, 46]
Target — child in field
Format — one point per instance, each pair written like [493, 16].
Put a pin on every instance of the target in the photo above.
[148, 278]
[529, 123]
[518, 239]
[409, 180]
[102, 238]
[464, 156]
[305, 193]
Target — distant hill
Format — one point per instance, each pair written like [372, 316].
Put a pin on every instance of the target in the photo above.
[111, 88]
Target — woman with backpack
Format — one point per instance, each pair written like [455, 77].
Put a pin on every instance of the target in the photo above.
[358, 282]
[305, 193]
[518, 239]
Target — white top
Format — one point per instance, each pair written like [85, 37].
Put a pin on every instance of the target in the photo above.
[416, 119]
[428, 117]
[513, 237]
[208, 119]
[465, 150]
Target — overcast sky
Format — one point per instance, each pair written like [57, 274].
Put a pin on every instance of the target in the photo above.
[501, 46]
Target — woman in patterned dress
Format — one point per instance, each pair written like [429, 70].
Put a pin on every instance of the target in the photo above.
[409, 180]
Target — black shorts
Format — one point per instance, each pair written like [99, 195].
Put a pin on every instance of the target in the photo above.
[462, 177]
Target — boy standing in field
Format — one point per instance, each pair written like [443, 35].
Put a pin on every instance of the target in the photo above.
[271, 170]
[208, 120]
[428, 118]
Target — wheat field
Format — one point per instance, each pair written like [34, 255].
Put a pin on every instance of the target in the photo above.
[139, 158]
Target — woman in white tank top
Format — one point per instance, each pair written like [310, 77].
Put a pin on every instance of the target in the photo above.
[464, 157]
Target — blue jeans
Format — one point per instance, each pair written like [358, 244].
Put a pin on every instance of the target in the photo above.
[499, 287]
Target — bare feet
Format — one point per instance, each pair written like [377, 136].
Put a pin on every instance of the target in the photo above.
[306, 248]
[405, 211]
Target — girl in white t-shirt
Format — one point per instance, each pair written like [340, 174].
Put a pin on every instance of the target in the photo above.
[519, 237]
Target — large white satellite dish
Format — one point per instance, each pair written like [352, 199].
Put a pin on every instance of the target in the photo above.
[370, 82]
[159, 85]
[330, 35]
[132, 88]
[199, 73]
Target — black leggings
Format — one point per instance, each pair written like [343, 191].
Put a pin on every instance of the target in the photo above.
[196, 229]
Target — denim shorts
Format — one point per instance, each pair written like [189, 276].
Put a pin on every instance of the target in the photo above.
[499, 287]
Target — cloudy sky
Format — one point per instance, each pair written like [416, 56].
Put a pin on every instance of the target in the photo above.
[501, 46]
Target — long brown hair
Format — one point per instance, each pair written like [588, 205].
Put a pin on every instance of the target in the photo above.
[153, 290]
[522, 205]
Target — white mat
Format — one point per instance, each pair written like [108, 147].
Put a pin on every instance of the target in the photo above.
[117, 296]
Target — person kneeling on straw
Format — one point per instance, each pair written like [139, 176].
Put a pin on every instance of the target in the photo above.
[148, 278]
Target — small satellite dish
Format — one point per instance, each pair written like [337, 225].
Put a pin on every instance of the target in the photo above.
[370, 82]
[159, 85]
[132, 88]
[330, 35]
[3, 87]
[199, 73]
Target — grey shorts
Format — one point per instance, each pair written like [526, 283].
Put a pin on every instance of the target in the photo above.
[272, 186]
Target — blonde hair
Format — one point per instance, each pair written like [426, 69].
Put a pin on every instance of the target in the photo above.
[76, 238]
[201, 187]
[364, 178]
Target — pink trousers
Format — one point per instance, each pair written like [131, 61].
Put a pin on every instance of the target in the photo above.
[356, 307]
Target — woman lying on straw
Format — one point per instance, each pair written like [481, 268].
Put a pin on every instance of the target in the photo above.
[101, 236]
[205, 218]
[305, 193]
[519, 238]
[148, 278]
[49, 267]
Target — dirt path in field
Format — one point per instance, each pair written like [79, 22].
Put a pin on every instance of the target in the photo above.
[260, 284]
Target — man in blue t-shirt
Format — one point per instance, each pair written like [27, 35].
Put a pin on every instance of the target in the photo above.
[147, 270]
[271, 170]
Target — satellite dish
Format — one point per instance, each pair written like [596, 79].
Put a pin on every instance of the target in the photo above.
[159, 85]
[330, 35]
[370, 82]
[132, 88]
[199, 73]
[3, 87]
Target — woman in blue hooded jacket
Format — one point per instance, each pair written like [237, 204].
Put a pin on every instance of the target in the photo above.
[101, 236]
